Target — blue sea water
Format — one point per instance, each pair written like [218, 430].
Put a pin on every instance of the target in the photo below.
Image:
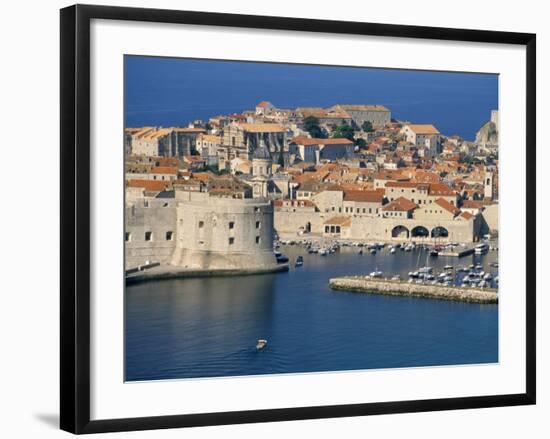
[174, 91]
[208, 327]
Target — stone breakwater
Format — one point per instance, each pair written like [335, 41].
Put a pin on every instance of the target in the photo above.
[363, 284]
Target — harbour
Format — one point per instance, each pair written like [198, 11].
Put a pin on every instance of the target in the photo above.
[210, 326]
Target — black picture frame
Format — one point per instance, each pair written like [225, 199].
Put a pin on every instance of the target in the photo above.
[75, 217]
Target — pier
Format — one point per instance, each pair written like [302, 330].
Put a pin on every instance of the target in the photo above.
[458, 252]
[366, 284]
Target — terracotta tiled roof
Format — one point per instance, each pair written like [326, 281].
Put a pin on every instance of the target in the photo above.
[447, 206]
[423, 129]
[403, 184]
[190, 130]
[364, 196]
[466, 215]
[440, 189]
[149, 185]
[264, 104]
[400, 204]
[302, 140]
[263, 127]
[164, 170]
[350, 107]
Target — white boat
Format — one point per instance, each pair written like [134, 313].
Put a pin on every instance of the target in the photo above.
[392, 251]
[481, 249]
[372, 251]
[376, 273]
[425, 269]
[261, 343]
[396, 277]
[448, 267]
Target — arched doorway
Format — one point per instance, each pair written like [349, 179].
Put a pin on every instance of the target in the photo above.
[420, 232]
[440, 232]
[400, 232]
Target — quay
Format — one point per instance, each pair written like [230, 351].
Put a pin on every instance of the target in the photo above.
[365, 284]
[158, 272]
[457, 252]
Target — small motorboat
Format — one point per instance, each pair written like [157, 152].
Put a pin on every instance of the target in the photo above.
[376, 273]
[372, 251]
[448, 267]
[434, 253]
[281, 259]
[261, 343]
[299, 261]
[396, 277]
[392, 251]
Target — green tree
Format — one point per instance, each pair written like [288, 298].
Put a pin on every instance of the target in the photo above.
[360, 142]
[367, 127]
[311, 125]
[343, 131]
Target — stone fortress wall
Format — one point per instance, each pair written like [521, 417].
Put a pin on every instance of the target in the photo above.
[224, 233]
[157, 219]
[196, 231]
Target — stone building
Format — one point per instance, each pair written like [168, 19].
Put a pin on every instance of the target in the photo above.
[264, 107]
[424, 136]
[377, 115]
[165, 142]
[261, 171]
[420, 193]
[313, 150]
[331, 116]
[246, 137]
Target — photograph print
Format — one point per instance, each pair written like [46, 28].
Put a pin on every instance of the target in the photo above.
[291, 218]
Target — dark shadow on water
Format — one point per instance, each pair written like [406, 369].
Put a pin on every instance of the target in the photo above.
[49, 419]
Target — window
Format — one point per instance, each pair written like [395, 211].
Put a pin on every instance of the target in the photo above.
[231, 224]
[231, 241]
[327, 229]
[257, 239]
[148, 236]
[201, 224]
[256, 209]
[169, 235]
[127, 237]
[258, 224]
